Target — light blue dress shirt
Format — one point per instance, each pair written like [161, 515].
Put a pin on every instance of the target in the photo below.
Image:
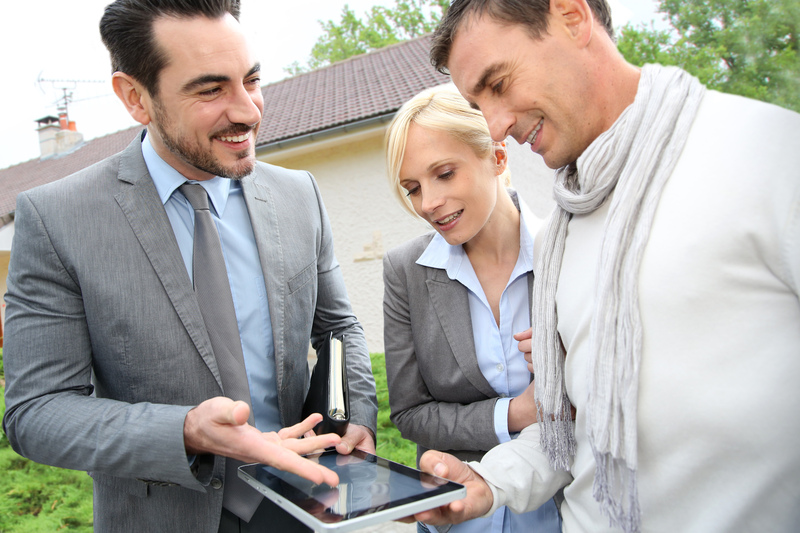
[500, 361]
[229, 211]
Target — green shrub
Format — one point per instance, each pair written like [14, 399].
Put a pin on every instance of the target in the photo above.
[36, 498]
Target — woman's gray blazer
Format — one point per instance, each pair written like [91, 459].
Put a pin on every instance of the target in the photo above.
[438, 396]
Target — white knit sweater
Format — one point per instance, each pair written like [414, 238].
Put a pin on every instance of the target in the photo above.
[719, 391]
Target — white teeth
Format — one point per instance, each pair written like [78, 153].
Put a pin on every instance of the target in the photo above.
[532, 137]
[449, 219]
[237, 139]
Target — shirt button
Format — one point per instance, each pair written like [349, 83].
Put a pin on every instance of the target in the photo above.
[216, 483]
[504, 395]
[499, 367]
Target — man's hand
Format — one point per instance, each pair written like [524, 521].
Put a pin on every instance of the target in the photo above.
[526, 346]
[356, 437]
[479, 496]
[219, 426]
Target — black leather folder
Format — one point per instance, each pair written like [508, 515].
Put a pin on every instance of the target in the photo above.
[328, 391]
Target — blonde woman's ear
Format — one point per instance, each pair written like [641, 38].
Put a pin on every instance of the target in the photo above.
[501, 163]
[500, 157]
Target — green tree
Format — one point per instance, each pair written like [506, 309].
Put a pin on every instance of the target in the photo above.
[383, 26]
[745, 47]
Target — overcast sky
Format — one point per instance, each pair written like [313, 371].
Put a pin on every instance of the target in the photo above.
[59, 40]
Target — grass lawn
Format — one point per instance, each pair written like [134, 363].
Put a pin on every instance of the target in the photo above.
[35, 498]
[390, 444]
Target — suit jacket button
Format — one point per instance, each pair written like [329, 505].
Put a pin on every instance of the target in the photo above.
[216, 483]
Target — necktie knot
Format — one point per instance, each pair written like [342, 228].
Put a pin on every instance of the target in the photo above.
[196, 194]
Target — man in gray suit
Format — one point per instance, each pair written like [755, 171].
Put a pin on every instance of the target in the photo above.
[108, 361]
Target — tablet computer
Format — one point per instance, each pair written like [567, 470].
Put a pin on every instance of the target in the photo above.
[371, 490]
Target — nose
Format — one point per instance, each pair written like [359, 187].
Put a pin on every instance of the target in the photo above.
[500, 121]
[246, 106]
[432, 199]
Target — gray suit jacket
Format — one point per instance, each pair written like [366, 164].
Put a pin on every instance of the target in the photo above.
[438, 396]
[105, 348]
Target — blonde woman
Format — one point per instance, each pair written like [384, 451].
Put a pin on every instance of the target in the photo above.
[455, 296]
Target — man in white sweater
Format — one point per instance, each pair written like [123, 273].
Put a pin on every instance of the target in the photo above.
[673, 260]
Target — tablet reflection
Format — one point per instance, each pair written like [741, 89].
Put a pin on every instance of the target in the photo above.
[363, 487]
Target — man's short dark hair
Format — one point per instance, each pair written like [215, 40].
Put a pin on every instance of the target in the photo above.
[531, 14]
[127, 31]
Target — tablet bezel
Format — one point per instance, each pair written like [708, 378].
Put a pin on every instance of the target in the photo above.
[447, 492]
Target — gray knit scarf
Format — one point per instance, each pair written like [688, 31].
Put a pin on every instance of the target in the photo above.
[634, 159]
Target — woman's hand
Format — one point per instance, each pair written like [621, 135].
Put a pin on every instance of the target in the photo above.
[522, 411]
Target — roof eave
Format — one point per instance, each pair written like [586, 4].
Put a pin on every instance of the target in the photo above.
[316, 136]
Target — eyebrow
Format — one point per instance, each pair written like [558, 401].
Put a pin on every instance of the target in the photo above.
[429, 168]
[436, 164]
[206, 79]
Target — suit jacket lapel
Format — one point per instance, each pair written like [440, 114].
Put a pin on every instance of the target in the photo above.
[148, 219]
[530, 302]
[260, 202]
[450, 300]
[530, 296]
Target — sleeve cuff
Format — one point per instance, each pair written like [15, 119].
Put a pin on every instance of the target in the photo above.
[501, 419]
[496, 495]
[519, 474]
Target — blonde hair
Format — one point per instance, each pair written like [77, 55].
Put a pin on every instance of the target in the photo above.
[440, 108]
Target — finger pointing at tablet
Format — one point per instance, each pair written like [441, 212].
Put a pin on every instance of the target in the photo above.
[219, 426]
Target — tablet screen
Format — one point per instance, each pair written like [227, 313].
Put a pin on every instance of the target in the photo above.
[367, 485]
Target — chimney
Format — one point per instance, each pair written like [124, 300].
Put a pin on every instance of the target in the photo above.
[57, 135]
[47, 128]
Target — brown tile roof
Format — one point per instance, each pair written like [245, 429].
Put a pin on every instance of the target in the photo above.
[24, 176]
[359, 88]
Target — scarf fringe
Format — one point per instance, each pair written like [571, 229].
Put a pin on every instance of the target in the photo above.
[557, 435]
[613, 480]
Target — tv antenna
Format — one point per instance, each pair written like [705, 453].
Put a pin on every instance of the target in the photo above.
[66, 87]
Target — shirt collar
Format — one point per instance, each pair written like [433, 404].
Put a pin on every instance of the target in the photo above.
[439, 254]
[167, 179]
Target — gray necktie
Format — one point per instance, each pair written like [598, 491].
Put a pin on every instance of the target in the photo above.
[213, 292]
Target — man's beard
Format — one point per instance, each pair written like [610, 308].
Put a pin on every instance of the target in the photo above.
[197, 157]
